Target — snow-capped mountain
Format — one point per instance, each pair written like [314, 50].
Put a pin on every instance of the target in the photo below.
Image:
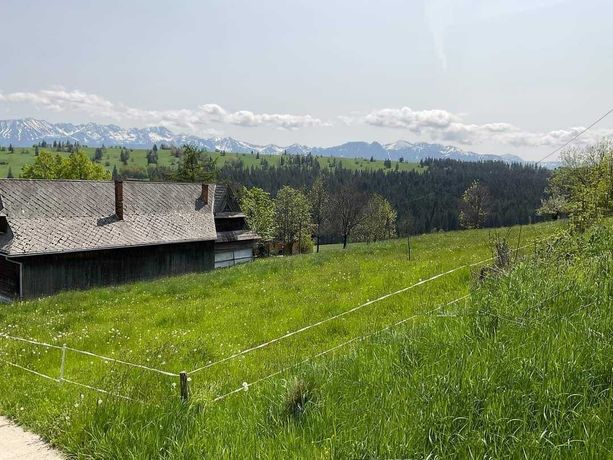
[28, 131]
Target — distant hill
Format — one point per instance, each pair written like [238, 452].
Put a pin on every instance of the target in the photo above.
[28, 131]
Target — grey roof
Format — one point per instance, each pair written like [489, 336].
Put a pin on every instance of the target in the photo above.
[225, 200]
[220, 197]
[69, 216]
[236, 235]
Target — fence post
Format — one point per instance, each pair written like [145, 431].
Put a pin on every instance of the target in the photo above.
[62, 364]
[409, 244]
[183, 384]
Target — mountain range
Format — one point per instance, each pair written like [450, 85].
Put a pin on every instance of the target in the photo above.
[28, 131]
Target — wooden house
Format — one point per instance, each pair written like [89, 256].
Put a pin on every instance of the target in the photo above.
[61, 235]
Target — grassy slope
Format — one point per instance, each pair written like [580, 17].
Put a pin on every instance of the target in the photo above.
[444, 385]
[138, 158]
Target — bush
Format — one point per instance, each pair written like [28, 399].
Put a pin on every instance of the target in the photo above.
[306, 244]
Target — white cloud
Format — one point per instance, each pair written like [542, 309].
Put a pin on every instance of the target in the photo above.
[441, 125]
[190, 120]
[433, 124]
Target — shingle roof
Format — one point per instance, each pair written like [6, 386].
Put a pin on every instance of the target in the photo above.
[236, 235]
[69, 216]
[225, 200]
[220, 196]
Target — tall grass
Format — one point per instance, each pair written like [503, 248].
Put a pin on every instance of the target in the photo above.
[522, 369]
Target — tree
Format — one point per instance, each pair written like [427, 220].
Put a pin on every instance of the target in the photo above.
[583, 186]
[379, 220]
[78, 166]
[54, 166]
[318, 198]
[45, 166]
[124, 156]
[347, 211]
[194, 167]
[11, 149]
[475, 206]
[259, 210]
[292, 217]
[98, 154]
[554, 205]
[152, 156]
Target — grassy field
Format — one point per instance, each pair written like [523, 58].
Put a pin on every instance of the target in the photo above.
[138, 158]
[517, 371]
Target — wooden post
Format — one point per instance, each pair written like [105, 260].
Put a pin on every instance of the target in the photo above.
[183, 386]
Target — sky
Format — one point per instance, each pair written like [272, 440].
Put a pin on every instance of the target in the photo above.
[490, 76]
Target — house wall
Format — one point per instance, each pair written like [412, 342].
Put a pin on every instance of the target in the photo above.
[9, 278]
[233, 253]
[48, 274]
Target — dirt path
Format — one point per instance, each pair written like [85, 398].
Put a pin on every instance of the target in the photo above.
[15, 443]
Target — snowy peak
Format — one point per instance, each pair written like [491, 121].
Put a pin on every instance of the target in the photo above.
[28, 131]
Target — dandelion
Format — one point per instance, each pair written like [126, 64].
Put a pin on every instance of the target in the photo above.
[99, 401]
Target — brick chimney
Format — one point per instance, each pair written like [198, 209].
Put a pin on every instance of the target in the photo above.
[119, 199]
[204, 195]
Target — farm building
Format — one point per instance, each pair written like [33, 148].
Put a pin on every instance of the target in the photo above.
[60, 235]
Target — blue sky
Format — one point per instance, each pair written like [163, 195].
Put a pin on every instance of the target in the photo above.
[500, 76]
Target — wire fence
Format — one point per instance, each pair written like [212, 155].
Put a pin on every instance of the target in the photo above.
[245, 386]
[184, 376]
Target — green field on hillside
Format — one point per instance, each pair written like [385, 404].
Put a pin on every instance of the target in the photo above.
[138, 159]
[522, 367]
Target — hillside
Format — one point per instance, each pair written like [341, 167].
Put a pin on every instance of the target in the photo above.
[138, 160]
[527, 375]
[28, 131]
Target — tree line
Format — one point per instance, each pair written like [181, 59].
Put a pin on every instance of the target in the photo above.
[432, 199]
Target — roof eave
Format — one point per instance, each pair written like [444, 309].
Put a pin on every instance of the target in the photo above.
[104, 248]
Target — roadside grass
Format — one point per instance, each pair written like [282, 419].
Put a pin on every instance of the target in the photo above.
[473, 384]
[138, 158]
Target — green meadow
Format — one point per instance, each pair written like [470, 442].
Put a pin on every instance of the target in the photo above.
[138, 159]
[520, 367]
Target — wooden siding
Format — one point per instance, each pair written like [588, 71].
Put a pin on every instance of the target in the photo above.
[9, 278]
[48, 274]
